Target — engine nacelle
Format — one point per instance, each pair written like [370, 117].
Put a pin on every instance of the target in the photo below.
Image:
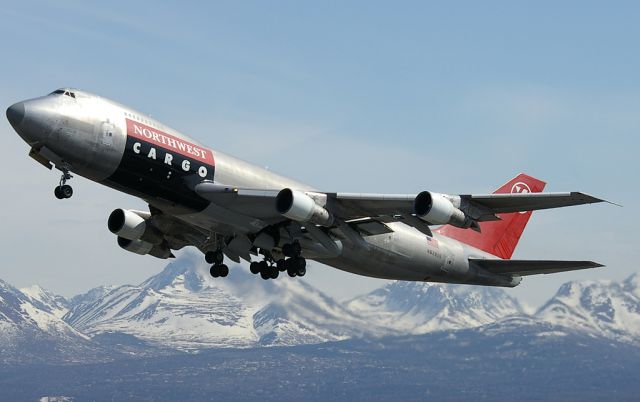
[299, 207]
[133, 225]
[439, 209]
[144, 248]
[127, 224]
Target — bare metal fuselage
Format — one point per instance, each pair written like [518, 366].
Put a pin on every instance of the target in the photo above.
[88, 135]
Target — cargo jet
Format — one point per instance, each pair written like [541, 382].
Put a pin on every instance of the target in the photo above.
[229, 208]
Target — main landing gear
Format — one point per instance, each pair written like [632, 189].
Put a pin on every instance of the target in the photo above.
[64, 190]
[295, 265]
[218, 269]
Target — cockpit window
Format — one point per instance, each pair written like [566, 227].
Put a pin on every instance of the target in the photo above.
[63, 92]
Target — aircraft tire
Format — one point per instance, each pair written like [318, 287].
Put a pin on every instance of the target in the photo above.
[254, 267]
[208, 257]
[66, 191]
[214, 271]
[58, 193]
[264, 267]
[214, 257]
[265, 275]
[274, 272]
[287, 250]
[224, 270]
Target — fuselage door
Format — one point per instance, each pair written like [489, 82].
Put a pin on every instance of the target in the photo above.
[448, 263]
[107, 133]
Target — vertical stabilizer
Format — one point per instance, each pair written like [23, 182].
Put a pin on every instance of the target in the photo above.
[499, 238]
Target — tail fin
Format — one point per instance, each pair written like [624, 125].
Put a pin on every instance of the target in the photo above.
[499, 238]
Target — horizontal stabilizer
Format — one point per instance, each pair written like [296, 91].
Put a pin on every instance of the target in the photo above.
[531, 267]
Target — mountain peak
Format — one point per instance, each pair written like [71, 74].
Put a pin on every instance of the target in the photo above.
[632, 284]
[188, 269]
[50, 302]
[419, 307]
[601, 307]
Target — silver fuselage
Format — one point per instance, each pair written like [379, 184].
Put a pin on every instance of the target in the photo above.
[91, 136]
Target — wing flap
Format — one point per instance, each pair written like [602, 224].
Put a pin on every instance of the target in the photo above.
[532, 267]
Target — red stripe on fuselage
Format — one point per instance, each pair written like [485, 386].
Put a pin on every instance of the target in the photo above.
[169, 142]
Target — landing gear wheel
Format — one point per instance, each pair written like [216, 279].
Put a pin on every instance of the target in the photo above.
[287, 250]
[214, 257]
[214, 271]
[282, 265]
[66, 191]
[63, 190]
[224, 270]
[297, 266]
[265, 275]
[273, 272]
[254, 267]
[297, 249]
[264, 267]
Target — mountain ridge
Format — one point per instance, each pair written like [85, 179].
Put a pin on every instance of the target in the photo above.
[183, 309]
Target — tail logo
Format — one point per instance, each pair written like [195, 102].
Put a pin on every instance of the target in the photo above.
[520, 187]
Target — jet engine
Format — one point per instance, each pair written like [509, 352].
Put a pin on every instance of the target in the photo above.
[143, 248]
[132, 225]
[440, 209]
[300, 207]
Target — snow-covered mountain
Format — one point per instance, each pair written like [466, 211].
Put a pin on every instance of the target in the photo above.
[601, 308]
[31, 330]
[183, 307]
[89, 296]
[53, 303]
[417, 307]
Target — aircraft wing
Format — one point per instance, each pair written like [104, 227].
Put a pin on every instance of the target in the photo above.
[387, 207]
[519, 202]
[531, 267]
[361, 205]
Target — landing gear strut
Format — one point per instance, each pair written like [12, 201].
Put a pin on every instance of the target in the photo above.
[64, 190]
[218, 269]
[295, 265]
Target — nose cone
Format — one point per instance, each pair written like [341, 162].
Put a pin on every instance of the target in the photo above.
[15, 114]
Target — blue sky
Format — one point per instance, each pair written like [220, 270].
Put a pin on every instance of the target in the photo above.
[348, 96]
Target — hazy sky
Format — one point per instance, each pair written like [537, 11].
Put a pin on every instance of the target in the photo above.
[393, 97]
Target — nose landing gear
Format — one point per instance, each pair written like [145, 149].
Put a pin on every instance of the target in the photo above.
[64, 190]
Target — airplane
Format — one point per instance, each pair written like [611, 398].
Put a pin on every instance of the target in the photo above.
[227, 207]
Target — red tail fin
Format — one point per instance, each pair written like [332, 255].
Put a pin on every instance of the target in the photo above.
[499, 238]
